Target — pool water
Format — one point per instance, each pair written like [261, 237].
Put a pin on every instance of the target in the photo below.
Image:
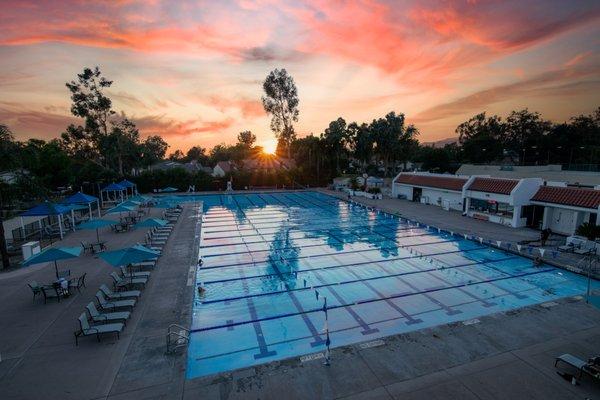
[270, 260]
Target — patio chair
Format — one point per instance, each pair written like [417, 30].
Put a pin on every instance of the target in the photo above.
[129, 274]
[113, 304]
[51, 232]
[105, 318]
[87, 247]
[35, 288]
[50, 292]
[64, 273]
[127, 282]
[78, 283]
[86, 330]
[119, 295]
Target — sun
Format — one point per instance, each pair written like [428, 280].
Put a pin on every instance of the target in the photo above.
[269, 146]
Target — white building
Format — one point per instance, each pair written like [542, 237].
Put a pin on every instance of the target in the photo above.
[445, 191]
[565, 208]
[503, 201]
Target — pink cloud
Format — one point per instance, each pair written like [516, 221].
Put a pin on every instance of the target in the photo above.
[248, 108]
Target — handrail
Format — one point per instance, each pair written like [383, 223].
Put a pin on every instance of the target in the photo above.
[181, 338]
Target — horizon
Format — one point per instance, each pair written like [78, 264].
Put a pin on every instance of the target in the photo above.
[192, 72]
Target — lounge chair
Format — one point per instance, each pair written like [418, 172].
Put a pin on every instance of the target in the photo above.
[567, 248]
[572, 361]
[144, 264]
[113, 304]
[119, 295]
[127, 282]
[105, 318]
[86, 330]
[588, 248]
[130, 274]
[78, 283]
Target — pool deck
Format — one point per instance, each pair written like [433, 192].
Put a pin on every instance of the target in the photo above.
[505, 355]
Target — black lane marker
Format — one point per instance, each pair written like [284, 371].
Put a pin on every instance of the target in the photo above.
[366, 328]
[409, 319]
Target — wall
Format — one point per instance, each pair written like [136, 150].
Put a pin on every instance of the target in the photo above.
[432, 196]
[562, 220]
[402, 189]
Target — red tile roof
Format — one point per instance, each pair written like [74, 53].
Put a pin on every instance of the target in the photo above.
[493, 185]
[577, 197]
[441, 182]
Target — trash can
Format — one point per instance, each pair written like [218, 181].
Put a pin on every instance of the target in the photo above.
[30, 248]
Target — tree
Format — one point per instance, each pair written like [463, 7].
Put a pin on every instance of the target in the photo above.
[89, 100]
[177, 155]
[8, 156]
[361, 143]
[482, 138]
[394, 141]
[281, 102]
[246, 139]
[154, 149]
[335, 138]
[121, 148]
[524, 134]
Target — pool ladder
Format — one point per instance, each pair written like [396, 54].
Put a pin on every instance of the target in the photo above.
[177, 336]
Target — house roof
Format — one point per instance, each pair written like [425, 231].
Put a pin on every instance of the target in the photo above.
[570, 196]
[493, 185]
[441, 182]
[224, 165]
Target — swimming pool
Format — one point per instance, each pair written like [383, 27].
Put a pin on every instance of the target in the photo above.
[271, 259]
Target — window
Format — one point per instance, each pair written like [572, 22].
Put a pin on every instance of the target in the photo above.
[491, 207]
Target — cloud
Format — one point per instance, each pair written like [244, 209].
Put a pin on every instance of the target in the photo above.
[168, 127]
[549, 83]
[27, 123]
[248, 108]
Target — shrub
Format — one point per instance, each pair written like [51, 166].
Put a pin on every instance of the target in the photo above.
[590, 231]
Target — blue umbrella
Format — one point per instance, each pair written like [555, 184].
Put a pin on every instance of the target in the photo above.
[151, 223]
[119, 209]
[53, 254]
[80, 198]
[129, 255]
[97, 224]
[130, 203]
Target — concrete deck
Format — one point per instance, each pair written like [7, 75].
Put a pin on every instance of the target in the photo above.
[507, 355]
[39, 357]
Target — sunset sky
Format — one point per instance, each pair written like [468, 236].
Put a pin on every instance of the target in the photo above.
[191, 71]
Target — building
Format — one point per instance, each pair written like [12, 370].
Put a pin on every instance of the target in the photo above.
[191, 167]
[223, 168]
[564, 208]
[549, 173]
[502, 201]
[441, 190]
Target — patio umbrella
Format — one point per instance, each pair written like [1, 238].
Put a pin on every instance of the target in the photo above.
[83, 199]
[169, 189]
[53, 254]
[151, 223]
[119, 209]
[129, 255]
[97, 224]
[130, 203]
[140, 198]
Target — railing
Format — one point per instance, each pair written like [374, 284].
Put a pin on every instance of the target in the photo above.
[177, 336]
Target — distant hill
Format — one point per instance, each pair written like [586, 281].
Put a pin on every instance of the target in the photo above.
[440, 143]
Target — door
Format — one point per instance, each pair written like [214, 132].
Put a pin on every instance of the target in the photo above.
[534, 215]
[417, 193]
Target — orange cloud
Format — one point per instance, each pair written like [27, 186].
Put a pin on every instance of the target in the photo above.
[247, 107]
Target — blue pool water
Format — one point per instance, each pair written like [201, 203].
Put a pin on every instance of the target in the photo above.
[266, 256]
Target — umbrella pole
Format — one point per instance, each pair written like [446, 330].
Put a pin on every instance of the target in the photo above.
[60, 226]
[97, 235]
[99, 215]
[73, 219]
[56, 268]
